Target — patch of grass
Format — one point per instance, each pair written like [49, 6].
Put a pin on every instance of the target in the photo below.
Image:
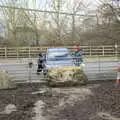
[102, 58]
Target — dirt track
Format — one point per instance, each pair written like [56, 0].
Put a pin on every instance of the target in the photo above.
[81, 103]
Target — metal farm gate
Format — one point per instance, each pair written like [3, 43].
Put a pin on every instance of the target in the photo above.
[100, 63]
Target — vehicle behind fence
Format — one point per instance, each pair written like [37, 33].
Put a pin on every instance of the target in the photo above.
[95, 69]
[100, 62]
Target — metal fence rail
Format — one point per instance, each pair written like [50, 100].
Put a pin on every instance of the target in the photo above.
[94, 69]
[27, 52]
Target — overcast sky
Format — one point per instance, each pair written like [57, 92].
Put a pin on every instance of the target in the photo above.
[93, 4]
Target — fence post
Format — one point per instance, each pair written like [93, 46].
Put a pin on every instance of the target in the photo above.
[99, 66]
[103, 53]
[5, 52]
[90, 51]
[17, 52]
[29, 53]
[116, 50]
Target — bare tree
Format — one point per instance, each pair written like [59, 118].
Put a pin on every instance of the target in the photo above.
[109, 11]
[58, 19]
[10, 19]
[20, 21]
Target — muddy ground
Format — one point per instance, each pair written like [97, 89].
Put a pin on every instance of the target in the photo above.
[75, 103]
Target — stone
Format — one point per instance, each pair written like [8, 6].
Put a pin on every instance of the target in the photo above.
[6, 80]
[106, 116]
[9, 109]
[38, 110]
[39, 92]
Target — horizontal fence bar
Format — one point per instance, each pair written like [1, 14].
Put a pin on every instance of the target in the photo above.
[97, 71]
[23, 52]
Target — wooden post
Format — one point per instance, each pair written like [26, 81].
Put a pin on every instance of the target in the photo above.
[29, 53]
[17, 52]
[5, 52]
[116, 50]
[103, 53]
[90, 51]
[99, 66]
